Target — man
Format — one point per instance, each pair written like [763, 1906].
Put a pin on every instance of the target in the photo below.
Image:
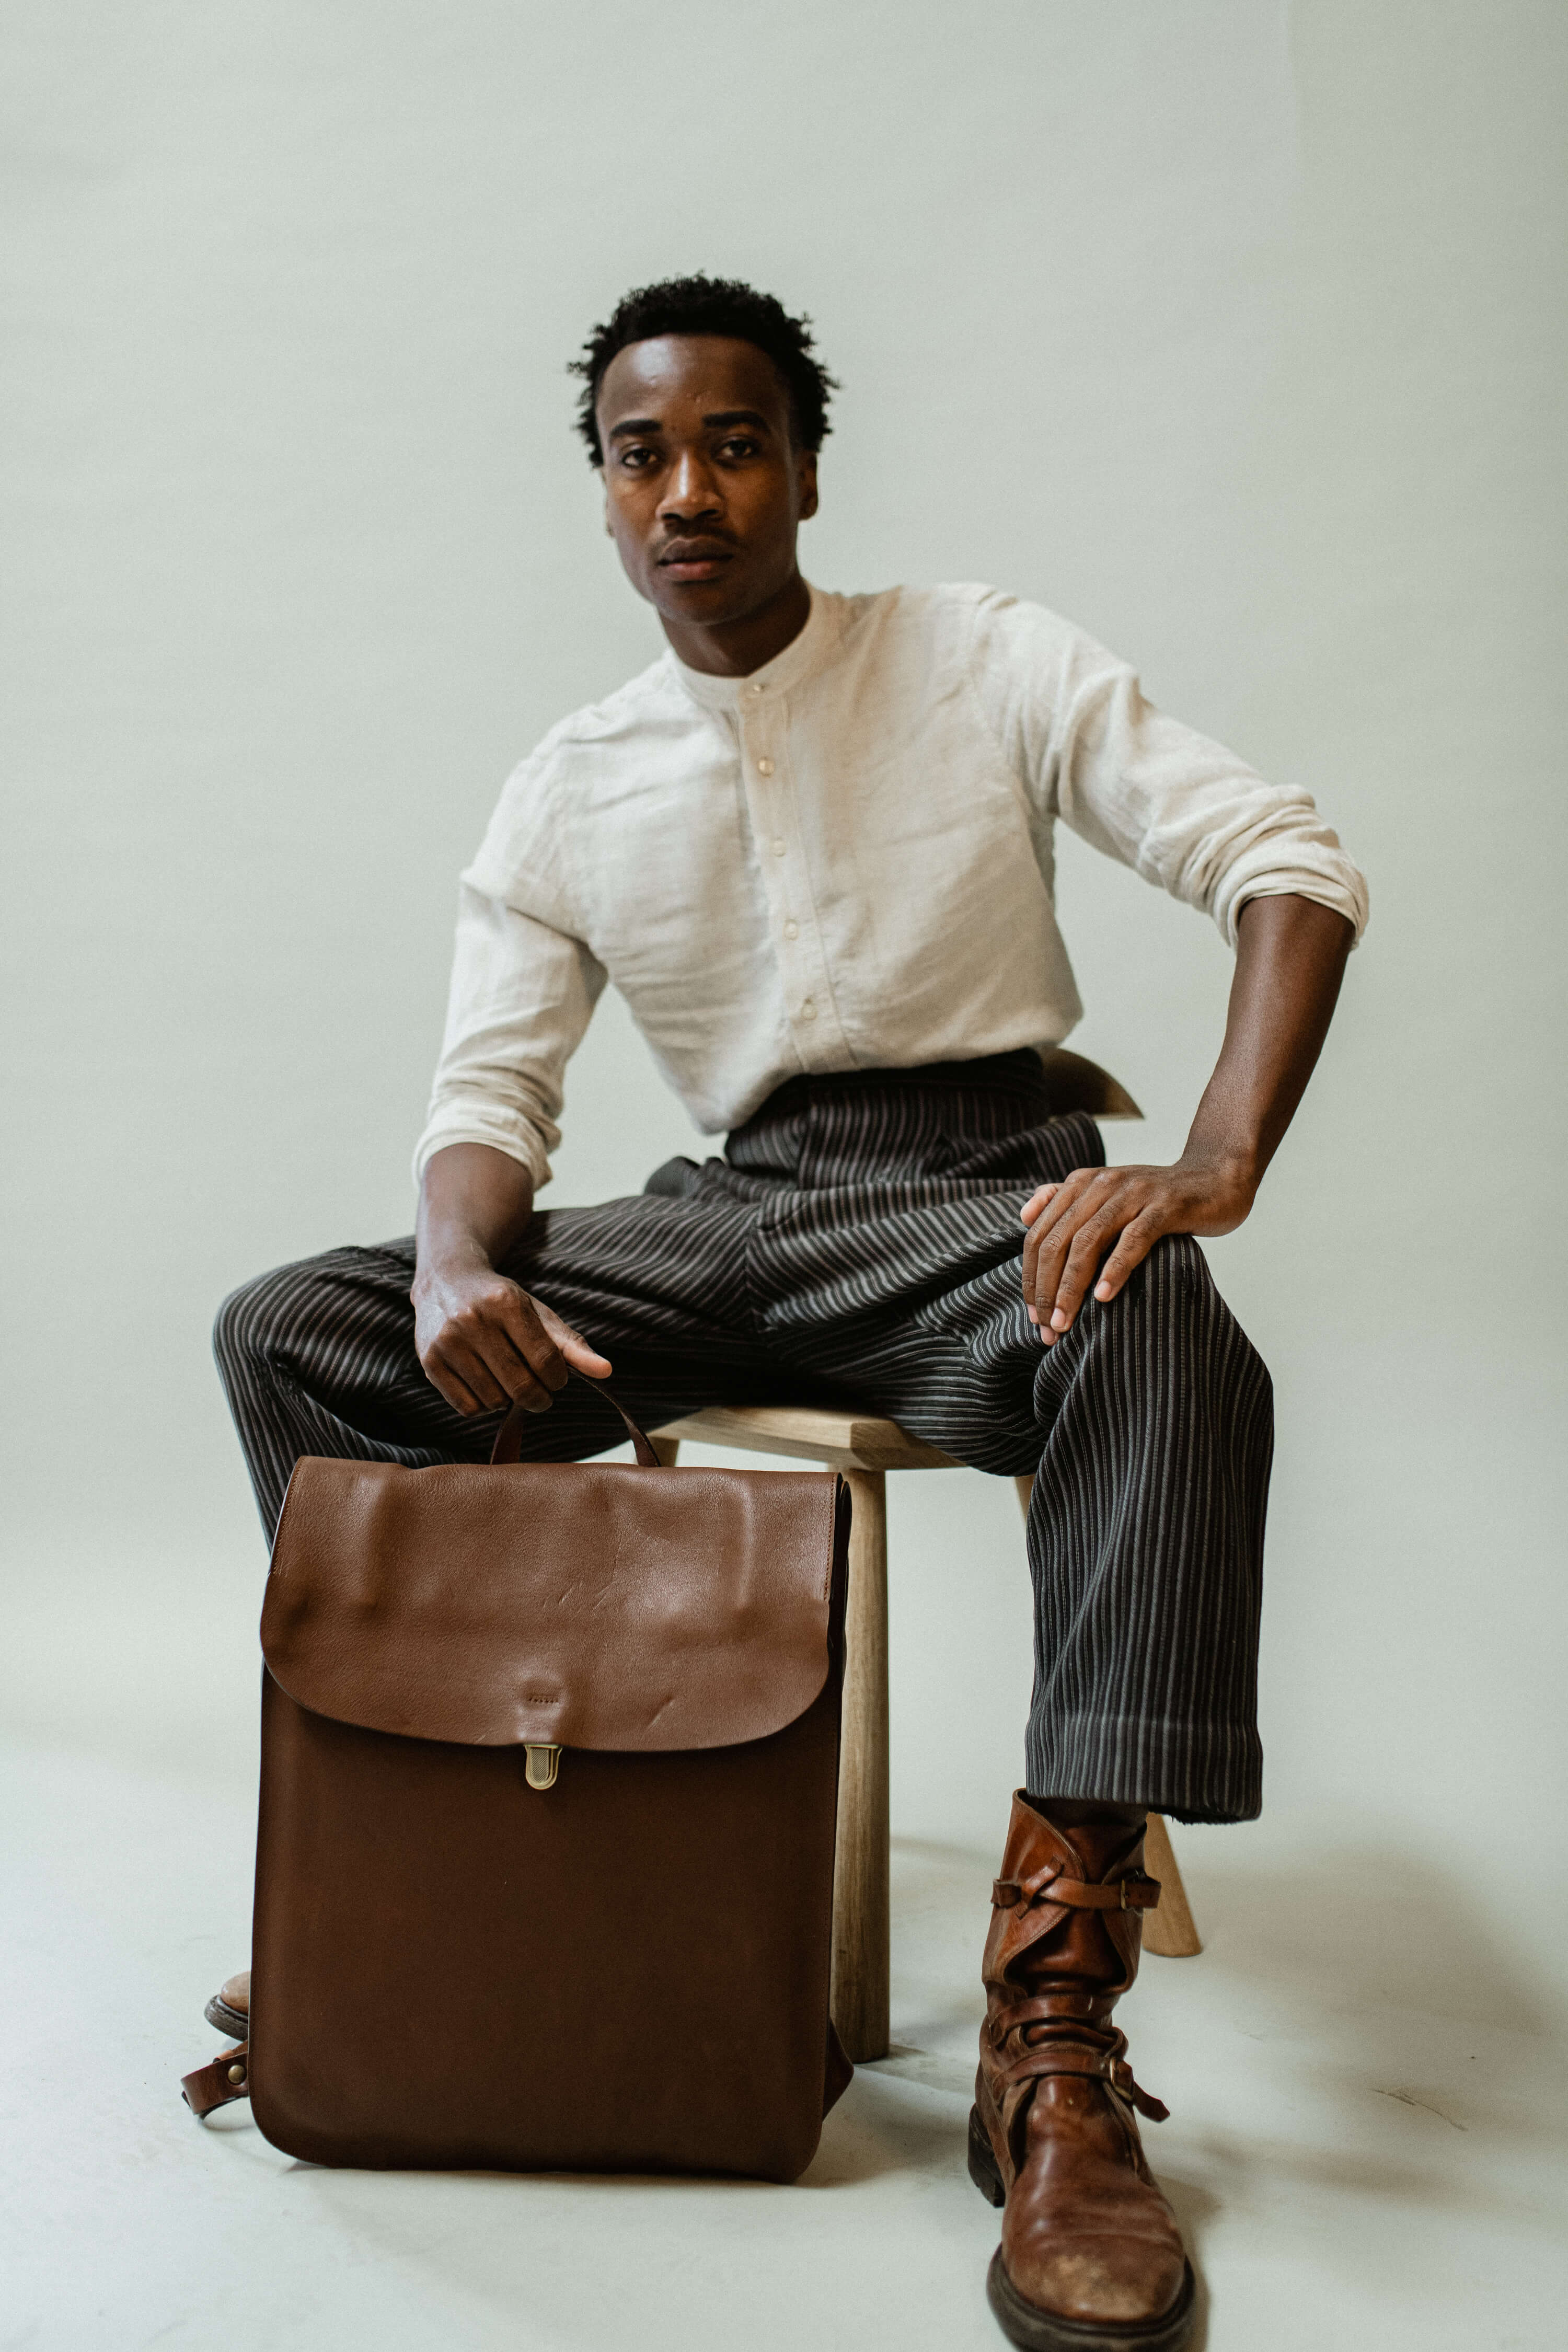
[813, 847]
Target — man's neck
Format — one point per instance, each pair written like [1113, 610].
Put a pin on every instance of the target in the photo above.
[735, 648]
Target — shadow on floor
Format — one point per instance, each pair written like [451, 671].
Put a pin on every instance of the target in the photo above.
[1359, 1928]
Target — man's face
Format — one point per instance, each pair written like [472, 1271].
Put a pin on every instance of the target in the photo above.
[704, 487]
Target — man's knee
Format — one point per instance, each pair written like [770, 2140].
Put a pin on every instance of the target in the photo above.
[258, 1327]
[1177, 1297]
[1169, 1302]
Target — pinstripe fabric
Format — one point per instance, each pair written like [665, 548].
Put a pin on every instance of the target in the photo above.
[859, 1243]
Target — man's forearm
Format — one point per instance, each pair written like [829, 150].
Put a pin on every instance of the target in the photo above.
[1100, 1223]
[1290, 962]
[474, 1207]
[484, 1341]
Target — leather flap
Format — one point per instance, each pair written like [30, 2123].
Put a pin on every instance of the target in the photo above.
[586, 1604]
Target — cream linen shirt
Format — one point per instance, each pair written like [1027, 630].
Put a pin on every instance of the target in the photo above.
[841, 862]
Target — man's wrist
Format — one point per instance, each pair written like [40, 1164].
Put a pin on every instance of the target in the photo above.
[1236, 1168]
[438, 1260]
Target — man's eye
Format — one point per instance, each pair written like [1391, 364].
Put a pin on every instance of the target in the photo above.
[739, 445]
[637, 458]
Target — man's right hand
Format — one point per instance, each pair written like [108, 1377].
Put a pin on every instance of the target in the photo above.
[482, 1340]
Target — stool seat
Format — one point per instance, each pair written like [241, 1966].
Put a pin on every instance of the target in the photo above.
[844, 1441]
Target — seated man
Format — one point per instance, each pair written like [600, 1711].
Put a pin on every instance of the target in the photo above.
[812, 845]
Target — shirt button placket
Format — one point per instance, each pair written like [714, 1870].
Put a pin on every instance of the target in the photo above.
[764, 766]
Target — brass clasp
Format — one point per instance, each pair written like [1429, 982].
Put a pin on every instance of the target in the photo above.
[542, 1762]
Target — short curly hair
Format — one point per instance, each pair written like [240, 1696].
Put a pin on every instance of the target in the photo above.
[709, 306]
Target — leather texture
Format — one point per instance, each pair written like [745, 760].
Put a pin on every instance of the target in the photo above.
[1090, 2250]
[218, 2085]
[586, 1604]
[626, 1971]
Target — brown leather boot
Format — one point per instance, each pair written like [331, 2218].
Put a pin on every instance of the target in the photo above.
[1091, 2256]
[229, 2008]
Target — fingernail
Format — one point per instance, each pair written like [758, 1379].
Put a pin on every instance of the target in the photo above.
[1033, 1313]
[1103, 1289]
[1058, 1320]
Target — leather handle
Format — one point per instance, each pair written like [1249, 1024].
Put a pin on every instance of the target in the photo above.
[218, 2085]
[507, 1447]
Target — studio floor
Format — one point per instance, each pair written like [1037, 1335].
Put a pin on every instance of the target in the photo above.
[1352, 2169]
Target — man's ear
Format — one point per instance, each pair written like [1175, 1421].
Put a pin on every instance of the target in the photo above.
[805, 476]
[609, 526]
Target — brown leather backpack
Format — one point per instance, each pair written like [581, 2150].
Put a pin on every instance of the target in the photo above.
[549, 1772]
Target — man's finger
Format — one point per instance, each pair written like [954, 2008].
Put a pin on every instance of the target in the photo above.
[461, 1365]
[1051, 1247]
[1090, 1243]
[458, 1393]
[532, 1341]
[579, 1352]
[1137, 1240]
[1056, 1205]
[490, 1353]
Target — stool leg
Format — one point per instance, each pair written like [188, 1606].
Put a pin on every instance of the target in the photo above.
[1171, 1930]
[860, 1893]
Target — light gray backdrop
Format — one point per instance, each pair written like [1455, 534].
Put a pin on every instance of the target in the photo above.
[1231, 328]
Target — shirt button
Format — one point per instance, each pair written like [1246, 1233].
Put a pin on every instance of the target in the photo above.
[792, 929]
[808, 1009]
[764, 766]
[778, 847]
[754, 690]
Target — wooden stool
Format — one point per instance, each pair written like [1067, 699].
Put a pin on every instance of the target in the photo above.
[865, 1449]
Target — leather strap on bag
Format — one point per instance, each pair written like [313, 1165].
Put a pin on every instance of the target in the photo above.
[219, 2085]
[507, 1447]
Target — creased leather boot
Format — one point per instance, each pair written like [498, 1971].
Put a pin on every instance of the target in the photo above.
[229, 2008]
[1091, 2256]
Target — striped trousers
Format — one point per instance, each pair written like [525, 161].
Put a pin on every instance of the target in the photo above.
[858, 1244]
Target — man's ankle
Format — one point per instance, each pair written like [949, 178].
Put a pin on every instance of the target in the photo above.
[1086, 1813]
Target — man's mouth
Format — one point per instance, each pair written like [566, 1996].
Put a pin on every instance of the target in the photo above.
[698, 559]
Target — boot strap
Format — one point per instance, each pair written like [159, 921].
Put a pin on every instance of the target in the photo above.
[218, 2086]
[1136, 1891]
[1095, 2065]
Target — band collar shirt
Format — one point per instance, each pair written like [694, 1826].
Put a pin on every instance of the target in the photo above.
[844, 861]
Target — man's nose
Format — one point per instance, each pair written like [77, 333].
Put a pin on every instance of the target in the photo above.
[690, 489]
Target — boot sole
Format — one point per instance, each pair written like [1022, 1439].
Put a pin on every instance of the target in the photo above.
[232, 2021]
[1026, 2325]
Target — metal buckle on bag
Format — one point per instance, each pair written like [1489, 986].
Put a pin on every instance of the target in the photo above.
[541, 1763]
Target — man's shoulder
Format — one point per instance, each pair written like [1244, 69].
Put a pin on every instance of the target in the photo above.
[651, 699]
[957, 611]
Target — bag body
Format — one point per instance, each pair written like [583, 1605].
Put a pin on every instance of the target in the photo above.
[545, 1862]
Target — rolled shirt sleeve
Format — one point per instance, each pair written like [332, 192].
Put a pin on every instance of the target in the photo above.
[1182, 811]
[522, 996]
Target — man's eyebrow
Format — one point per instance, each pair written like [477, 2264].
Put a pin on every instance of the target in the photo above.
[722, 420]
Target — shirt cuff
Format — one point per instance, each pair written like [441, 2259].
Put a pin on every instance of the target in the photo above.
[1340, 887]
[516, 1139]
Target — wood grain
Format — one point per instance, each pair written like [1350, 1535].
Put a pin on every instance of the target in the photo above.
[1171, 1930]
[844, 1441]
[860, 1888]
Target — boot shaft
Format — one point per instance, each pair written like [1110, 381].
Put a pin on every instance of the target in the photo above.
[1083, 1950]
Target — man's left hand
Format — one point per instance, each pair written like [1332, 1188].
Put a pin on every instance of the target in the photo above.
[1123, 1210]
